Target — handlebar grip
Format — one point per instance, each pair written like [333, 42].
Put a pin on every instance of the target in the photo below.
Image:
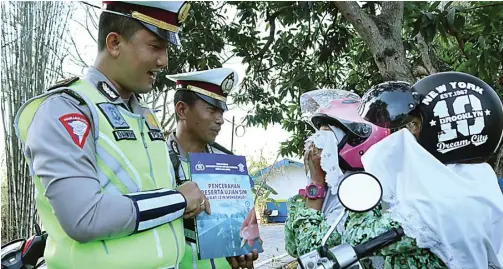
[378, 242]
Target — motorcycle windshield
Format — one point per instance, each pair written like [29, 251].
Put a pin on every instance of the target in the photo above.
[312, 101]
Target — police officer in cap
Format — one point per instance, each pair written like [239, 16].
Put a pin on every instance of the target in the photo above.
[200, 102]
[105, 187]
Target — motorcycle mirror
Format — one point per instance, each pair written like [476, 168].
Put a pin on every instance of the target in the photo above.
[360, 192]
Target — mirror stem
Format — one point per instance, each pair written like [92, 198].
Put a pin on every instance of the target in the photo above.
[332, 228]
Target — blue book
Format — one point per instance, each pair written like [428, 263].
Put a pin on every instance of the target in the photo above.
[231, 229]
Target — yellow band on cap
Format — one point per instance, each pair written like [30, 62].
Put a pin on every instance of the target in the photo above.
[207, 93]
[155, 22]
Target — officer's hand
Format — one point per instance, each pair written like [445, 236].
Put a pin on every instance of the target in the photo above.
[196, 201]
[243, 261]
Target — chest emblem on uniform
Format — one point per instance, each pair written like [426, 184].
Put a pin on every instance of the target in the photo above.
[113, 116]
[105, 89]
[78, 126]
[155, 131]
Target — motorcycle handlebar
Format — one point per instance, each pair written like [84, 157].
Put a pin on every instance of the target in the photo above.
[378, 242]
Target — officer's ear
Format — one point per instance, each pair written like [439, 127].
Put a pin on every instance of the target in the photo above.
[181, 109]
[113, 42]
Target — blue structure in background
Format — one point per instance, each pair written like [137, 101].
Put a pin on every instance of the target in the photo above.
[500, 181]
[282, 163]
[280, 212]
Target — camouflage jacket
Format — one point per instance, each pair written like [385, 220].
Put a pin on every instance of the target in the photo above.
[305, 228]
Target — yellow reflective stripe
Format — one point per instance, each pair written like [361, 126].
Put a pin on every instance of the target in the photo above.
[194, 255]
[157, 243]
[104, 169]
[170, 167]
[126, 161]
[117, 169]
[25, 116]
[107, 185]
[176, 242]
[186, 170]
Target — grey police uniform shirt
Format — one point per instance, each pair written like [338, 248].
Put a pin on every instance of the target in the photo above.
[69, 173]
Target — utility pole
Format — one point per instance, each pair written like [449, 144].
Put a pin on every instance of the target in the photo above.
[232, 139]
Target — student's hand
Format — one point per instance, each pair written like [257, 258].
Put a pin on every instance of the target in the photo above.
[249, 229]
[312, 159]
[243, 261]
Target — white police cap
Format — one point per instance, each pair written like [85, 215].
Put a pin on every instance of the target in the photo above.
[213, 86]
[163, 18]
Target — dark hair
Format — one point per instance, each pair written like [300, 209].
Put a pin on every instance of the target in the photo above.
[188, 97]
[122, 25]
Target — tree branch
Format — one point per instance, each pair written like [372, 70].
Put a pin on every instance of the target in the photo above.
[272, 31]
[395, 21]
[80, 60]
[228, 58]
[489, 5]
[362, 22]
[267, 69]
[425, 56]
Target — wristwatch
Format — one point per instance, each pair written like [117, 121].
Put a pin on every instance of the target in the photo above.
[313, 191]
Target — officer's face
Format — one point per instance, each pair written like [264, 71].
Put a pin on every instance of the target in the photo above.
[204, 120]
[140, 61]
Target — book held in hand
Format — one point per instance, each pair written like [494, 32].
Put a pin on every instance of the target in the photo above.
[231, 229]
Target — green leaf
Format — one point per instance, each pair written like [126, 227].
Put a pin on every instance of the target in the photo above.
[482, 42]
[434, 6]
[451, 14]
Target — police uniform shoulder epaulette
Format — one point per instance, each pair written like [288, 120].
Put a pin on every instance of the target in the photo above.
[221, 148]
[63, 83]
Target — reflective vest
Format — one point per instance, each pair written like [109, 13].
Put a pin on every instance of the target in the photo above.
[122, 165]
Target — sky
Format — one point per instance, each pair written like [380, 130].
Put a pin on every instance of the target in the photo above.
[249, 143]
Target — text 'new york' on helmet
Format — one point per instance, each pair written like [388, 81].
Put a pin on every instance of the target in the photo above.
[461, 115]
[360, 135]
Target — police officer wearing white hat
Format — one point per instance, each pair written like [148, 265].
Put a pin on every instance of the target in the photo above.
[200, 101]
[105, 187]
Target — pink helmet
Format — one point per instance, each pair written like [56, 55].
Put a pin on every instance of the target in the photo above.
[360, 134]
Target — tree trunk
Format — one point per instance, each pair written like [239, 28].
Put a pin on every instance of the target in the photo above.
[383, 35]
[31, 40]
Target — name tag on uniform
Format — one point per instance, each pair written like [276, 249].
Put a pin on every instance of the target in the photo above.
[124, 135]
[156, 135]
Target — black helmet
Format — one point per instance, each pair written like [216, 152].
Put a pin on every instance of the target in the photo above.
[462, 116]
[388, 104]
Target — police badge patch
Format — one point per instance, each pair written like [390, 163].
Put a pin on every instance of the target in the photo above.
[107, 90]
[113, 116]
[78, 126]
